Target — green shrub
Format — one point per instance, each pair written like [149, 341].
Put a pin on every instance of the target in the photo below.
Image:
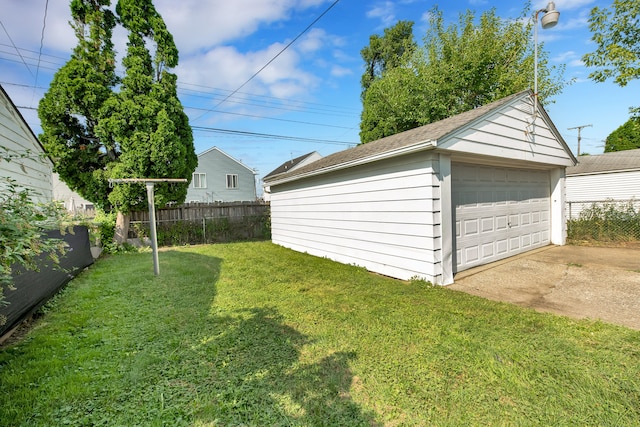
[607, 222]
[213, 230]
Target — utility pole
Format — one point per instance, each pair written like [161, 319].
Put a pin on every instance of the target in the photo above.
[579, 138]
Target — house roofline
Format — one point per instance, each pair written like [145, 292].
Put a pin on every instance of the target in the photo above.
[229, 156]
[604, 172]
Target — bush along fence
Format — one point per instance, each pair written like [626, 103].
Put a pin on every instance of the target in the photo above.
[604, 221]
[197, 223]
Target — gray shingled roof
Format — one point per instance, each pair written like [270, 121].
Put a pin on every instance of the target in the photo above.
[607, 162]
[286, 166]
[430, 132]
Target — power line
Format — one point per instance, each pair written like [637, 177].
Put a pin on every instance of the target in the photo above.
[253, 95]
[273, 118]
[274, 58]
[252, 134]
[270, 136]
[44, 26]
[16, 48]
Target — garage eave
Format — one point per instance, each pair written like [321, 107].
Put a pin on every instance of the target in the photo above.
[414, 148]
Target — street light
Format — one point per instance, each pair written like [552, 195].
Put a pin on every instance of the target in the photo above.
[549, 20]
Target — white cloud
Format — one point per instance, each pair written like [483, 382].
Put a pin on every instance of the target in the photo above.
[384, 11]
[338, 71]
[225, 67]
[26, 32]
[313, 41]
[200, 25]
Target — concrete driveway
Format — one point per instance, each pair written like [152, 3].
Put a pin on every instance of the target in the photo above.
[575, 281]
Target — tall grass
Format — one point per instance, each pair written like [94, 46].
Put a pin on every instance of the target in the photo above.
[255, 334]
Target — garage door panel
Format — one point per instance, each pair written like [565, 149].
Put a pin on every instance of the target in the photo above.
[499, 212]
[470, 227]
[488, 250]
[487, 225]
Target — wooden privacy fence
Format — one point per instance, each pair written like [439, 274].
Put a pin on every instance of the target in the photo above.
[195, 223]
[198, 211]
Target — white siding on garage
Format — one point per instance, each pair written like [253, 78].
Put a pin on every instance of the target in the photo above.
[583, 190]
[499, 212]
[508, 133]
[383, 216]
[610, 185]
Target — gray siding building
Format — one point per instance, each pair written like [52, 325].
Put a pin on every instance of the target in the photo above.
[221, 178]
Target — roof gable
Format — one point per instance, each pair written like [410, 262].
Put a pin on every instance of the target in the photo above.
[421, 138]
[617, 161]
[215, 151]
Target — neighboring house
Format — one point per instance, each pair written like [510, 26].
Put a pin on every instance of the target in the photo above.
[29, 167]
[221, 178]
[597, 178]
[74, 202]
[288, 166]
[432, 201]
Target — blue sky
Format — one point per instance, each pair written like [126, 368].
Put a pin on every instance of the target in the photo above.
[308, 98]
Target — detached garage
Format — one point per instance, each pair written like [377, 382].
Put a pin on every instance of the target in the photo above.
[432, 201]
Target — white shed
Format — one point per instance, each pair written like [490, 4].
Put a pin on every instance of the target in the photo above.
[604, 177]
[432, 201]
[29, 167]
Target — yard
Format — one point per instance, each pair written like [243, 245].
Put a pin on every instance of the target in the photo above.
[255, 334]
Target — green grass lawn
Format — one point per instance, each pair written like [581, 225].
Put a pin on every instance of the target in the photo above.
[255, 334]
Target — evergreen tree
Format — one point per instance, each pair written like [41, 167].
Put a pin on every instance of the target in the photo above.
[145, 118]
[94, 132]
[71, 109]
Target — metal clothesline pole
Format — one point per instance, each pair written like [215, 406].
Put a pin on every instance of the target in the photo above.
[149, 182]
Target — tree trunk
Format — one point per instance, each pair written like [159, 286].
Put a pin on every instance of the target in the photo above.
[122, 228]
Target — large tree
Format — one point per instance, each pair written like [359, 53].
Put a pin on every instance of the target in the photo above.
[616, 34]
[458, 68]
[71, 109]
[145, 119]
[97, 126]
[386, 52]
[626, 137]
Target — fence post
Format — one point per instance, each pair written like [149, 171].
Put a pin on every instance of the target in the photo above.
[204, 230]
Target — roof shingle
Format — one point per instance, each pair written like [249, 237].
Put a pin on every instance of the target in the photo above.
[430, 132]
[607, 162]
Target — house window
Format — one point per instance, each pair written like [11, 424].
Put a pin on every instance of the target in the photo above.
[199, 180]
[232, 181]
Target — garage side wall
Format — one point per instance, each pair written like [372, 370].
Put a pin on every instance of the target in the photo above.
[582, 190]
[383, 216]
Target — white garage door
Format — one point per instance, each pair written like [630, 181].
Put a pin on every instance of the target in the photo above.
[499, 212]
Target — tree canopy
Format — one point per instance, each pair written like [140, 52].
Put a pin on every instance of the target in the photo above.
[97, 126]
[386, 52]
[458, 68]
[616, 34]
[626, 137]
